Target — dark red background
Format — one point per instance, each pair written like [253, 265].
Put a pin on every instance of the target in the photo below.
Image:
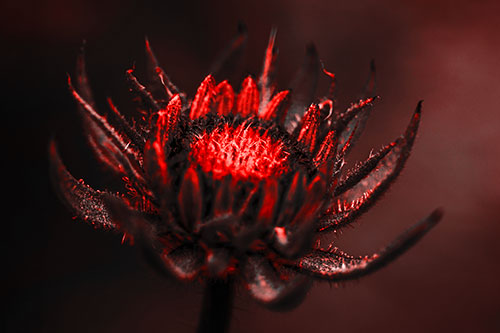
[66, 277]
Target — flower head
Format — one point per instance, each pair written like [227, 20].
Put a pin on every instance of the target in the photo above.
[238, 185]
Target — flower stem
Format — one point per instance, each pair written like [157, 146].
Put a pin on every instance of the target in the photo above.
[217, 306]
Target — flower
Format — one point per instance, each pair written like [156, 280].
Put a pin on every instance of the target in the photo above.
[238, 185]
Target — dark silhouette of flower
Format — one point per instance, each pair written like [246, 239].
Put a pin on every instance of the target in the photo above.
[239, 185]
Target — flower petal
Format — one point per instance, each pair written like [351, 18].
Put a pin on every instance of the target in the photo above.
[218, 261]
[223, 197]
[308, 129]
[140, 225]
[266, 78]
[137, 139]
[269, 199]
[102, 127]
[203, 99]
[184, 262]
[224, 98]
[351, 123]
[158, 75]
[277, 108]
[363, 170]
[158, 146]
[143, 93]
[190, 199]
[84, 201]
[326, 161]
[372, 181]
[277, 289]
[82, 80]
[247, 103]
[293, 198]
[105, 135]
[296, 237]
[336, 265]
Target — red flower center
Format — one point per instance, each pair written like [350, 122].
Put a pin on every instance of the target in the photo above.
[241, 152]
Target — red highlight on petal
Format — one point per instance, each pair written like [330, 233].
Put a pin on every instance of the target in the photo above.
[269, 200]
[189, 198]
[331, 89]
[277, 107]
[224, 98]
[309, 129]
[265, 79]
[203, 99]
[247, 102]
[327, 150]
[166, 123]
[167, 119]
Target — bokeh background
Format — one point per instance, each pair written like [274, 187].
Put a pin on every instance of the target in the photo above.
[62, 276]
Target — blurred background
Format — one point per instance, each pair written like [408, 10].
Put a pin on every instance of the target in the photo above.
[65, 277]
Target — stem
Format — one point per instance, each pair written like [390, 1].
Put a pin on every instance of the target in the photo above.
[217, 306]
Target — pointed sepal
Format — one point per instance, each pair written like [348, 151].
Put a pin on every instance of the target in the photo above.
[368, 182]
[335, 265]
[84, 201]
[274, 286]
[158, 77]
[184, 262]
[147, 99]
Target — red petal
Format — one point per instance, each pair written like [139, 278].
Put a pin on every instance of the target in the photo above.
[309, 127]
[293, 199]
[265, 80]
[190, 200]
[297, 237]
[223, 199]
[331, 89]
[277, 107]
[327, 150]
[269, 201]
[247, 102]
[224, 98]
[203, 99]
[166, 123]
[168, 119]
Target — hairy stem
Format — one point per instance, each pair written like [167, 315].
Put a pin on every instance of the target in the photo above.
[217, 306]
